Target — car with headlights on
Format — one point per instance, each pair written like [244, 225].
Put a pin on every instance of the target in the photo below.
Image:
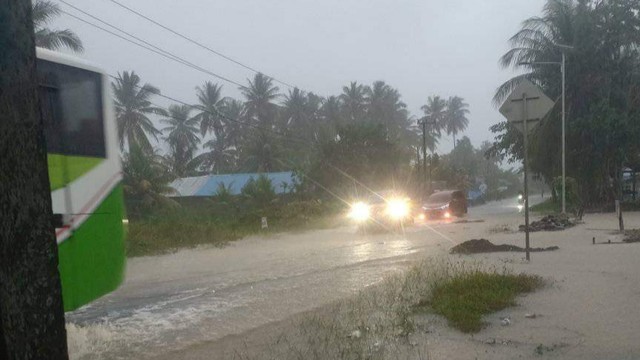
[445, 204]
[382, 211]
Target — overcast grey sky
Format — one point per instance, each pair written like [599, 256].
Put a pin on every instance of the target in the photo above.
[420, 47]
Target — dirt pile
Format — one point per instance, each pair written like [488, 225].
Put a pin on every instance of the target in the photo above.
[476, 246]
[550, 223]
[631, 236]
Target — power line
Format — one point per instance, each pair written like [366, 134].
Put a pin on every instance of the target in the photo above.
[153, 48]
[180, 60]
[112, 26]
[224, 116]
[198, 43]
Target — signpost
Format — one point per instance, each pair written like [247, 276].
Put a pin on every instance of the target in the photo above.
[525, 106]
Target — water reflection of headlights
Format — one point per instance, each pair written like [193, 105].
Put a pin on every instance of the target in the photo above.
[520, 207]
[397, 208]
[360, 211]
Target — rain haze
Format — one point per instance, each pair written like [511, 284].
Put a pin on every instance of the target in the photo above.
[422, 48]
[303, 179]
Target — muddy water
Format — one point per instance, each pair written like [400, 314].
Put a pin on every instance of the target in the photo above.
[173, 301]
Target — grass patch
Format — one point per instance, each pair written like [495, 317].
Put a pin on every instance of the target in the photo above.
[380, 321]
[218, 224]
[465, 297]
[548, 206]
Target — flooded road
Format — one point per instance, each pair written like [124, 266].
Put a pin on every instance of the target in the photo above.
[176, 300]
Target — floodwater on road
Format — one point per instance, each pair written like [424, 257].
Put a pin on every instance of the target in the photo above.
[172, 301]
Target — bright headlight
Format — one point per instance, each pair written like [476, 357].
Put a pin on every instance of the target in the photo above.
[360, 211]
[397, 208]
[520, 197]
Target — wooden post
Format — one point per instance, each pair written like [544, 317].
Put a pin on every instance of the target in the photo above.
[31, 314]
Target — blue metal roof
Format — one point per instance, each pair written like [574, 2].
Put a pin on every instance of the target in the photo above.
[208, 185]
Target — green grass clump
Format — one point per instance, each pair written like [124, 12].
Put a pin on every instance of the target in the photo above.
[217, 224]
[548, 207]
[465, 297]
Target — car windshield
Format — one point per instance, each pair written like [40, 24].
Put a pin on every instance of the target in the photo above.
[297, 179]
[439, 198]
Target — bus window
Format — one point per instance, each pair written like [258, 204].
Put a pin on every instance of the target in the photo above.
[71, 103]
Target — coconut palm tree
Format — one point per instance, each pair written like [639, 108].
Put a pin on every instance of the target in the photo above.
[330, 110]
[234, 113]
[42, 12]
[132, 109]
[385, 107]
[259, 96]
[182, 137]
[263, 153]
[435, 111]
[456, 117]
[377, 102]
[536, 42]
[220, 158]
[294, 110]
[353, 101]
[210, 103]
[145, 180]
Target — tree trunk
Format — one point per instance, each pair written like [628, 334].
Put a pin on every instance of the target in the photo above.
[31, 314]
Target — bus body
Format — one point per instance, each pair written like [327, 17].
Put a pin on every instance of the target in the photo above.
[85, 175]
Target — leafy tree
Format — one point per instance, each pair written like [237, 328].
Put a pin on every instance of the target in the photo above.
[182, 136]
[361, 153]
[42, 12]
[602, 81]
[223, 193]
[260, 192]
[132, 109]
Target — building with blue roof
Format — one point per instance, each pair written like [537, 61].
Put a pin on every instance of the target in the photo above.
[207, 185]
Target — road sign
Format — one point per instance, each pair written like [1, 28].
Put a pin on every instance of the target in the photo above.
[538, 105]
[525, 106]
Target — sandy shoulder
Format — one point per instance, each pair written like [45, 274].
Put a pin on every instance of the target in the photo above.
[588, 310]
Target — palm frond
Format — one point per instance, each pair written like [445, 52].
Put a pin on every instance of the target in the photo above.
[57, 39]
[43, 11]
[503, 91]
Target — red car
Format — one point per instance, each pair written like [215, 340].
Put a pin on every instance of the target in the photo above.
[445, 204]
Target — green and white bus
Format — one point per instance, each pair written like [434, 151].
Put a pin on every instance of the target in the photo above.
[85, 175]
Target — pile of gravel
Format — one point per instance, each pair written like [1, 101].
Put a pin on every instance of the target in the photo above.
[550, 223]
[476, 246]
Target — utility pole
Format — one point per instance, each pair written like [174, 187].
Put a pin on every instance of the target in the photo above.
[526, 176]
[564, 178]
[32, 322]
[424, 158]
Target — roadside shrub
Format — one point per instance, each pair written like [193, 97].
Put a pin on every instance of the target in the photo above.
[572, 191]
[465, 297]
[259, 192]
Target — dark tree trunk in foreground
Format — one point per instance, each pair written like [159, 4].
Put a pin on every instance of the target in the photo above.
[31, 312]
